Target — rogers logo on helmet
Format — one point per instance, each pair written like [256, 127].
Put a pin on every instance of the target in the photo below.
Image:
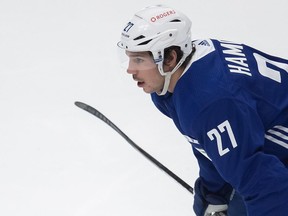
[160, 16]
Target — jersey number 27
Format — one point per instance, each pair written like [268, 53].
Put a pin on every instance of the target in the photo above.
[216, 133]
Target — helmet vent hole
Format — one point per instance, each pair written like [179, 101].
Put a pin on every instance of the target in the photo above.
[175, 20]
[145, 42]
[139, 37]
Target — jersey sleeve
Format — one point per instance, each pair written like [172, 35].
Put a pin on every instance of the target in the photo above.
[210, 177]
[233, 136]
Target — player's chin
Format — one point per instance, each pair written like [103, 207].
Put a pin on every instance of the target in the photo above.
[148, 90]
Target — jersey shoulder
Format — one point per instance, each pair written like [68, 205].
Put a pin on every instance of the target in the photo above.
[203, 47]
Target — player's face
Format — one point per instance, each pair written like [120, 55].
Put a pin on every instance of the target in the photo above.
[144, 71]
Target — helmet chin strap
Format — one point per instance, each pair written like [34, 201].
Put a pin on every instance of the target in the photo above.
[167, 75]
[167, 78]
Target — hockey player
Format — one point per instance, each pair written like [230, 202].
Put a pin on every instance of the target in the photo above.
[228, 99]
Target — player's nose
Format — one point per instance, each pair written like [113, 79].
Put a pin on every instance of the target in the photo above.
[131, 71]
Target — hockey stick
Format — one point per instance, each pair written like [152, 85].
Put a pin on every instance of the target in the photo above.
[99, 115]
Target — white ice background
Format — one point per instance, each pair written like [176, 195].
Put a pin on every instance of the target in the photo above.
[57, 160]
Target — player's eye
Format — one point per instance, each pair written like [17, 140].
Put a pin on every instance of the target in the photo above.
[138, 60]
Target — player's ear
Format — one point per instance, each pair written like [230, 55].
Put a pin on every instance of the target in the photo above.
[171, 58]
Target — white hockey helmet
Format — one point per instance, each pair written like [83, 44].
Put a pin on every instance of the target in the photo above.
[155, 28]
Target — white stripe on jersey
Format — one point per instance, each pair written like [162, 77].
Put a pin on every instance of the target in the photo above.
[191, 140]
[203, 152]
[278, 136]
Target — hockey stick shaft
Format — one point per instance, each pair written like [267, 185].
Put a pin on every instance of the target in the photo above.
[99, 115]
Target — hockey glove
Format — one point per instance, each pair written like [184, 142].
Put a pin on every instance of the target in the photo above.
[207, 203]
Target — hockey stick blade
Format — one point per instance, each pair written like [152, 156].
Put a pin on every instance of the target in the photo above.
[99, 115]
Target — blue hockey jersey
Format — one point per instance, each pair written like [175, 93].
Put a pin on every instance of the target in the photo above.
[231, 103]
